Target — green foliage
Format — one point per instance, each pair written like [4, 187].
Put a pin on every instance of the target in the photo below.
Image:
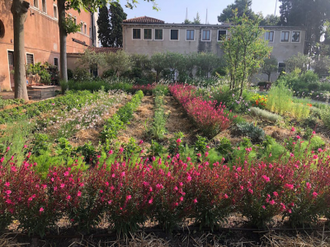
[242, 7]
[64, 86]
[270, 20]
[200, 145]
[266, 114]
[41, 70]
[325, 116]
[298, 61]
[255, 133]
[279, 99]
[269, 66]
[244, 51]
[70, 25]
[156, 149]
[175, 147]
[88, 151]
[158, 125]
[117, 15]
[103, 23]
[40, 144]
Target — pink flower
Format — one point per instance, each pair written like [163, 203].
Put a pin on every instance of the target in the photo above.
[150, 201]
[8, 148]
[263, 206]
[188, 159]
[315, 194]
[129, 197]
[291, 155]
[250, 191]
[267, 179]
[314, 132]
[206, 154]
[195, 200]
[121, 149]
[140, 142]
[298, 137]
[79, 193]
[225, 196]
[178, 141]
[41, 210]
[315, 157]
[109, 202]
[8, 192]
[25, 146]
[272, 202]
[293, 129]
[110, 152]
[2, 159]
[289, 186]
[189, 178]
[275, 193]
[199, 155]
[68, 197]
[308, 185]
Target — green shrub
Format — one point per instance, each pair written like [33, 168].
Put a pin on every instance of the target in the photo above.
[325, 116]
[279, 99]
[256, 111]
[252, 131]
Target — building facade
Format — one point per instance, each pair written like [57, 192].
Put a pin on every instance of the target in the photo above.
[41, 36]
[146, 35]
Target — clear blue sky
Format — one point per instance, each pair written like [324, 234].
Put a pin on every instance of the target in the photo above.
[174, 11]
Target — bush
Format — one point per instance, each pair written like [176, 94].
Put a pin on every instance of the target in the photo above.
[252, 131]
[325, 116]
[108, 73]
[265, 114]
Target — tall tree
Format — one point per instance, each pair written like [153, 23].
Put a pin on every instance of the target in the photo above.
[19, 10]
[311, 14]
[270, 20]
[103, 24]
[269, 66]
[117, 15]
[244, 51]
[242, 7]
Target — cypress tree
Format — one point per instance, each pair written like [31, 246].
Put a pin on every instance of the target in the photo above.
[104, 27]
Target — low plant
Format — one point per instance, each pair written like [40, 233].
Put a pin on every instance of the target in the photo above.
[158, 129]
[252, 131]
[265, 114]
[325, 117]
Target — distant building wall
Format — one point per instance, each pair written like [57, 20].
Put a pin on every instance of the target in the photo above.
[41, 36]
[286, 41]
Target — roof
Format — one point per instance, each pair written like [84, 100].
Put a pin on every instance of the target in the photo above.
[145, 20]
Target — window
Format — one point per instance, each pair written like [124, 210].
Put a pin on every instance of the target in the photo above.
[2, 29]
[55, 11]
[44, 9]
[90, 32]
[136, 33]
[158, 34]
[206, 35]
[147, 33]
[174, 34]
[190, 35]
[281, 67]
[270, 36]
[81, 27]
[74, 20]
[85, 28]
[285, 36]
[11, 58]
[222, 35]
[56, 62]
[36, 3]
[295, 36]
[29, 59]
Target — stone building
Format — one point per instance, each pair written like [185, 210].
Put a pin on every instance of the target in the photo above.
[146, 35]
[41, 36]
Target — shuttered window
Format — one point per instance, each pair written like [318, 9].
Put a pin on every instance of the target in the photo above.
[29, 59]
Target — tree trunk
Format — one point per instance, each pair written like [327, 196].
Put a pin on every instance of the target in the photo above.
[19, 10]
[63, 35]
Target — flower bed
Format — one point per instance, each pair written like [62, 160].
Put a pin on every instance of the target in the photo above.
[209, 118]
[168, 191]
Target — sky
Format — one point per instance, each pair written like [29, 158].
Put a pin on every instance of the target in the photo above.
[174, 11]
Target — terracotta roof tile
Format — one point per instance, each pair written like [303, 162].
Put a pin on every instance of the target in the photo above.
[145, 20]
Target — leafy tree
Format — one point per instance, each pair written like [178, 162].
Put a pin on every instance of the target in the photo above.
[244, 51]
[88, 5]
[118, 61]
[206, 63]
[322, 66]
[306, 13]
[270, 20]
[269, 66]
[242, 7]
[186, 21]
[197, 20]
[158, 63]
[117, 15]
[104, 26]
[299, 61]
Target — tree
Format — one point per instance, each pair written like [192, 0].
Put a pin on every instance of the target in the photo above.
[299, 61]
[270, 20]
[244, 50]
[19, 10]
[158, 63]
[197, 20]
[103, 24]
[241, 7]
[88, 5]
[311, 15]
[269, 66]
[117, 15]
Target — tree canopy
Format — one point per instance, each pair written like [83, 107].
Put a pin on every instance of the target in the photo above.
[103, 24]
[306, 13]
[117, 15]
[241, 7]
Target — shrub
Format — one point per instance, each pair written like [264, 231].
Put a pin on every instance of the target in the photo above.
[325, 116]
[279, 99]
[255, 133]
[265, 114]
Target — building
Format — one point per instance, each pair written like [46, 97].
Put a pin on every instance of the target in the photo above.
[146, 35]
[41, 36]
